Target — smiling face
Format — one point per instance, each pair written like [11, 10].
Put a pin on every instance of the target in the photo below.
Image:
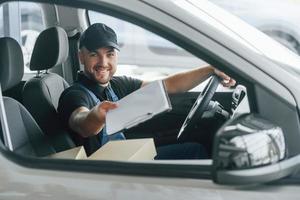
[99, 65]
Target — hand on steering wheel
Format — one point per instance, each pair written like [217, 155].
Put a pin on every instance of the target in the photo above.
[199, 107]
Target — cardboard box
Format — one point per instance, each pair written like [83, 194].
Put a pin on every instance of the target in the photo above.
[74, 153]
[136, 149]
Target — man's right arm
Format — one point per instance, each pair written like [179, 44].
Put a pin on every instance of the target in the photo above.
[87, 122]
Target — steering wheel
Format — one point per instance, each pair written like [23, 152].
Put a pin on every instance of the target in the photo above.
[199, 107]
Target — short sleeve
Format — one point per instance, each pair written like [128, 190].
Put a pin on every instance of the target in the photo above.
[125, 85]
[70, 100]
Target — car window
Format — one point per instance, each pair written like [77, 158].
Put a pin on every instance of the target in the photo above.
[267, 16]
[143, 54]
[247, 35]
[22, 21]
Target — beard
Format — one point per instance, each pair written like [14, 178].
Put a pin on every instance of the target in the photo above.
[100, 76]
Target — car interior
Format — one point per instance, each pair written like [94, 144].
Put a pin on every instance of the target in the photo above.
[40, 99]
[31, 105]
[34, 126]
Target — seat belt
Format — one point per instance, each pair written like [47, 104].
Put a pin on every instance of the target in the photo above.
[73, 56]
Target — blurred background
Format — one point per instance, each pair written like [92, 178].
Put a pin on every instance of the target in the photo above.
[144, 54]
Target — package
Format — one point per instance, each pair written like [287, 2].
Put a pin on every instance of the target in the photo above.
[74, 153]
[135, 149]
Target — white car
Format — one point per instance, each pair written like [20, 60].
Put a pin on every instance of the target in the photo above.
[254, 150]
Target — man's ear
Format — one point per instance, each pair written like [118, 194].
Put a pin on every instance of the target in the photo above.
[80, 55]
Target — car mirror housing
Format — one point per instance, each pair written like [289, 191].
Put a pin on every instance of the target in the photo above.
[244, 146]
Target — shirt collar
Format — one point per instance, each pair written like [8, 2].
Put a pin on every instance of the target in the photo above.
[97, 89]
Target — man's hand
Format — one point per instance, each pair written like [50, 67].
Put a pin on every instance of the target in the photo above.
[103, 108]
[227, 80]
[87, 122]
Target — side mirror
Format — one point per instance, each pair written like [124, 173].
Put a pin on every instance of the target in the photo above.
[246, 150]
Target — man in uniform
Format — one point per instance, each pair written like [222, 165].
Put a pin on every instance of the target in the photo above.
[83, 106]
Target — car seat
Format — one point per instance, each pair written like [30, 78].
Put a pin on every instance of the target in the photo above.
[26, 136]
[41, 93]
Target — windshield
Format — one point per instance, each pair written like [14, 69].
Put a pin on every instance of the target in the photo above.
[243, 33]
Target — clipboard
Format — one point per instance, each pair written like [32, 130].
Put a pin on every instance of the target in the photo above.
[137, 107]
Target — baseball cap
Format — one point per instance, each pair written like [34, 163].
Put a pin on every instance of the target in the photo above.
[98, 35]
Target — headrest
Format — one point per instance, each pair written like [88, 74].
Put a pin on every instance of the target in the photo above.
[51, 49]
[11, 63]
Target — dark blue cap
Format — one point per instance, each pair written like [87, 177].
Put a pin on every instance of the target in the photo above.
[97, 36]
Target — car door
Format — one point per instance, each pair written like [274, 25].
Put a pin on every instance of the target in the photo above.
[41, 178]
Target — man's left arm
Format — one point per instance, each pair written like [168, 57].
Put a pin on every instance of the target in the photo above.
[184, 81]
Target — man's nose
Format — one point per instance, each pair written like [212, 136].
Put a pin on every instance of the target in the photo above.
[102, 61]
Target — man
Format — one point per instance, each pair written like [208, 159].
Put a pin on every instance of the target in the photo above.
[84, 105]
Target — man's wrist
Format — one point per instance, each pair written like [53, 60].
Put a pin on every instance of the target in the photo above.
[210, 70]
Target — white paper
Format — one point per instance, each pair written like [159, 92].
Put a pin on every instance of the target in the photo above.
[138, 107]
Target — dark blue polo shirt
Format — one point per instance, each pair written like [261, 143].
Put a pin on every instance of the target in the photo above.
[75, 97]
